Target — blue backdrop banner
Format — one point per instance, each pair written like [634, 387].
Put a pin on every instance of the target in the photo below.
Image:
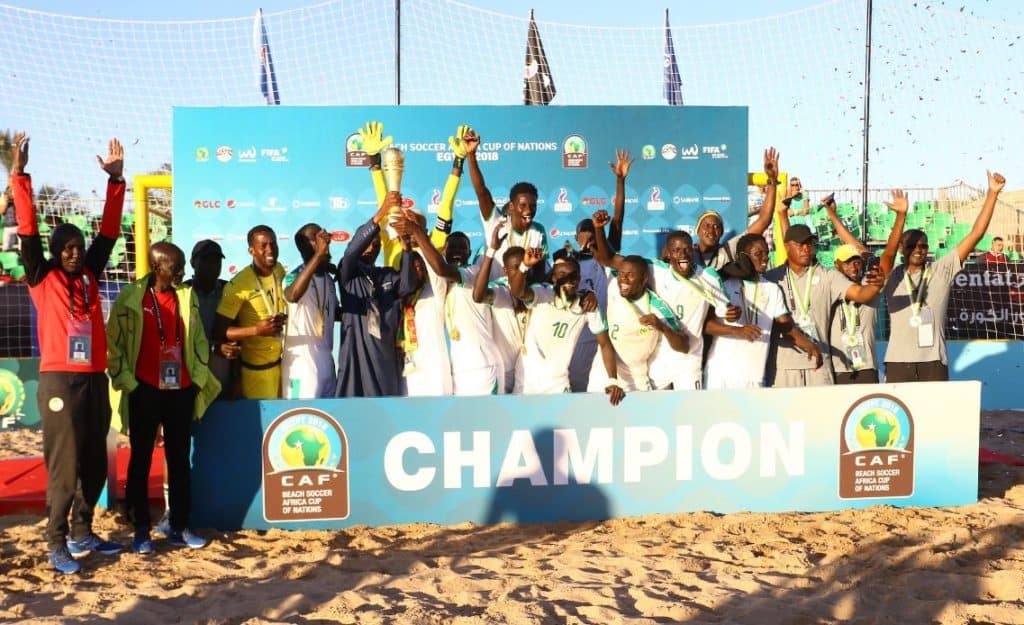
[341, 462]
[287, 166]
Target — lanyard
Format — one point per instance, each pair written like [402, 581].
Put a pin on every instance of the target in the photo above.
[637, 310]
[707, 293]
[71, 295]
[803, 305]
[850, 319]
[160, 321]
[750, 306]
[917, 295]
[272, 301]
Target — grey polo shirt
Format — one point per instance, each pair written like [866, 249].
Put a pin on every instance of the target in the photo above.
[865, 315]
[903, 338]
[827, 286]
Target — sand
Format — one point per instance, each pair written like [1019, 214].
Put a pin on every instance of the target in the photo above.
[879, 565]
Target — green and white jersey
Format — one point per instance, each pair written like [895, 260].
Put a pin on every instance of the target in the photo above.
[470, 325]
[635, 344]
[690, 299]
[535, 236]
[736, 362]
[553, 328]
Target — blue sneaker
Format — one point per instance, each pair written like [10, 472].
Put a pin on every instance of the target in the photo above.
[92, 542]
[142, 544]
[186, 538]
[163, 528]
[62, 562]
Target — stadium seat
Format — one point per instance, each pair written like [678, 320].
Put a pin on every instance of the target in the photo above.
[985, 244]
[9, 260]
[18, 273]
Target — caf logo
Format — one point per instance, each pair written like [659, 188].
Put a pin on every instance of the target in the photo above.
[355, 156]
[574, 152]
[876, 449]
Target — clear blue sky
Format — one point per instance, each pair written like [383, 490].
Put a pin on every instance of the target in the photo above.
[948, 77]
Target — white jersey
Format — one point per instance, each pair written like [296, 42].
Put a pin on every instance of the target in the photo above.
[476, 362]
[635, 344]
[533, 237]
[736, 362]
[593, 277]
[427, 369]
[307, 361]
[508, 331]
[553, 328]
[689, 300]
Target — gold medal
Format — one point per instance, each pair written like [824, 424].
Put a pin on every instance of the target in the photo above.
[454, 334]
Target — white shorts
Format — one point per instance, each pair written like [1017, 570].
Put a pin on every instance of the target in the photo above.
[307, 374]
[480, 381]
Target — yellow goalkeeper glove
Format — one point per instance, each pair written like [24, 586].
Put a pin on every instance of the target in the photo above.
[458, 145]
[373, 144]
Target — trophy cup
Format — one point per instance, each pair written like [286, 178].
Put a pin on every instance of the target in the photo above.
[393, 166]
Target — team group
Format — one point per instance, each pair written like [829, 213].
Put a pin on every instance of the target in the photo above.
[418, 318]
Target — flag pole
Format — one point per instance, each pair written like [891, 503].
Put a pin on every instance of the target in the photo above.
[398, 51]
[867, 126]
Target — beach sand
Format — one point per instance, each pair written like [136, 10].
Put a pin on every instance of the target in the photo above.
[877, 565]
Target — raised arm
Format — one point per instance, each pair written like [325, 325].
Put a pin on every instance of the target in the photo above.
[996, 182]
[441, 267]
[98, 254]
[483, 194]
[603, 253]
[28, 227]
[297, 289]
[621, 169]
[374, 142]
[764, 217]
[443, 224]
[899, 205]
[517, 277]
[842, 231]
[363, 237]
[481, 292]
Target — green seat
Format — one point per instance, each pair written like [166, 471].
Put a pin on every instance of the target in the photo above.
[878, 233]
[9, 260]
[826, 258]
[936, 235]
[985, 244]
[942, 219]
[1012, 256]
[18, 273]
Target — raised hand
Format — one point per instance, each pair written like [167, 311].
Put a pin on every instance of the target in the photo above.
[996, 182]
[392, 201]
[601, 218]
[497, 238]
[372, 134]
[408, 223]
[458, 143]
[534, 256]
[471, 140]
[323, 244]
[899, 203]
[622, 163]
[114, 165]
[19, 153]
[771, 165]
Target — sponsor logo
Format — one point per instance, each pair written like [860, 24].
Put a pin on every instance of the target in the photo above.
[224, 153]
[691, 153]
[647, 152]
[876, 449]
[305, 468]
[275, 155]
[435, 201]
[654, 201]
[668, 151]
[305, 203]
[682, 200]
[202, 154]
[355, 156]
[272, 206]
[340, 236]
[12, 398]
[338, 202]
[574, 152]
[408, 202]
[716, 151]
[555, 232]
[206, 204]
[230, 203]
[248, 155]
[593, 201]
[562, 203]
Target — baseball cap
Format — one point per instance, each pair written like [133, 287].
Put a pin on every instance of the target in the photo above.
[206, 247]
[845, 252]
[799, 234]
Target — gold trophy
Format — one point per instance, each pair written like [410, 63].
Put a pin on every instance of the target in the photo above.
[393, 166]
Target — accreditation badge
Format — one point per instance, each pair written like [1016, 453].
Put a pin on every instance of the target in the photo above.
[80, 342]
[926, 328]
[807, 327]
[855, 351]
[170, 368]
